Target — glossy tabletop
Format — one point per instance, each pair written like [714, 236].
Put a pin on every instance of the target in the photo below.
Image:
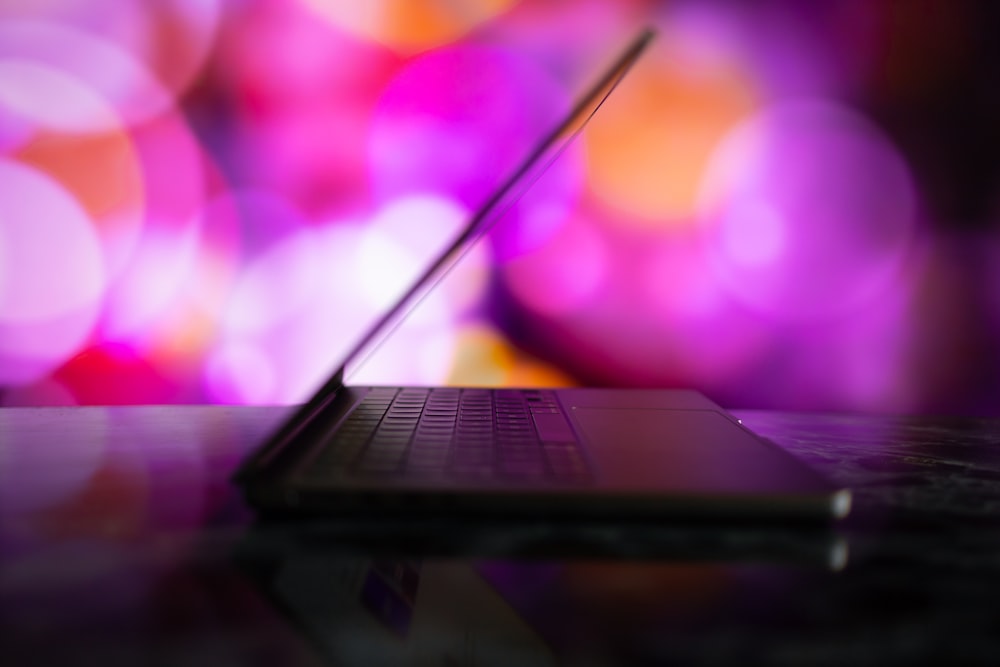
[123, 542]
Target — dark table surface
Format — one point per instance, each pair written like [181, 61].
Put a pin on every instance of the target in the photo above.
[122, 542]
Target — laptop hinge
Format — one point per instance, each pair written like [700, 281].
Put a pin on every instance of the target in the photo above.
[306, 416]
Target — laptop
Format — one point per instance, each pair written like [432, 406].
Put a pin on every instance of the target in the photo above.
[363, 451]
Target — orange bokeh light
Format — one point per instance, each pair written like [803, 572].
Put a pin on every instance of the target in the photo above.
[409, 26]
[484, 358]
[100, 170]
[650, 145]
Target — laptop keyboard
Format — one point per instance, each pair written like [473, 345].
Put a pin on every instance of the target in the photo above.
[455, 433]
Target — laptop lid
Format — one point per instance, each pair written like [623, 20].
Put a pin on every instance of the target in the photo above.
[545, 152]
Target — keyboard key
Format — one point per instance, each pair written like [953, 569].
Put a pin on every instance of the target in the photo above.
[469, 433]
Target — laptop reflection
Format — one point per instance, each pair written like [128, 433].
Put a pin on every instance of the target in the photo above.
[524, 593]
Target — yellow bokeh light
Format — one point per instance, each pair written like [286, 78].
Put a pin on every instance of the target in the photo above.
[648, 148]
[409, 26]
[484, 358]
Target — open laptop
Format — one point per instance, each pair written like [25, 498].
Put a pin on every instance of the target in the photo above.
[473, 452]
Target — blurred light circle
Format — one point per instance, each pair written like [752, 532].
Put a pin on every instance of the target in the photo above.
[457, 121]
[376, 267]
[280, 56]
[755, 238]
[142, 55]
[864, 362]
[52, 274]
[278, 282]
[484, 357]
[176, 181]
[809, 211]
[417, 229]
[4, 261]
[104, 174]
[676, 279]
[541, 211]
[53, 262]
[658, 317]
[159, 267]
[305, 343]
[649, 146]
[260, 219]
[412, 355]
[304, 95]
[173, 38]
[100, 170]
[379, 286]
[107, 70]
[700, 336]
[873, 372]
[409, 25]
[239, 372]
[52, 99]
[220, 251]
[565, 275]
[29, 350]
[14, 130]
[298, 307]
[110, 373]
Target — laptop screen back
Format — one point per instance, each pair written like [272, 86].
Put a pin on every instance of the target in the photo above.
[530, 169]
[538, 160]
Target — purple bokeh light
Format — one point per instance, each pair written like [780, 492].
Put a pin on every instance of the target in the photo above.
[809, 211]
[563, 276]
[304, 94]
[176, 180]
[456, 121]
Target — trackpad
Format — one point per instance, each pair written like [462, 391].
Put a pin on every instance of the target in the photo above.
[685, 450]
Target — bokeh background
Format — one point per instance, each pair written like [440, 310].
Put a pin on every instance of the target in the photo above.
[787, 204]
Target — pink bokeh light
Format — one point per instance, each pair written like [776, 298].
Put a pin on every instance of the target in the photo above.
[860, 362]
[51, 98]
[657, 316]
[49, 292]
[563, 276]
[58, 114]
[177, 178]
[296, 309]
[305, 94]
[456, 121]
[809, 211]
[142, 55]
[109, 71]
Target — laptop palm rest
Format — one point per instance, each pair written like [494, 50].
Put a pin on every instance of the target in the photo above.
[687, 451]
